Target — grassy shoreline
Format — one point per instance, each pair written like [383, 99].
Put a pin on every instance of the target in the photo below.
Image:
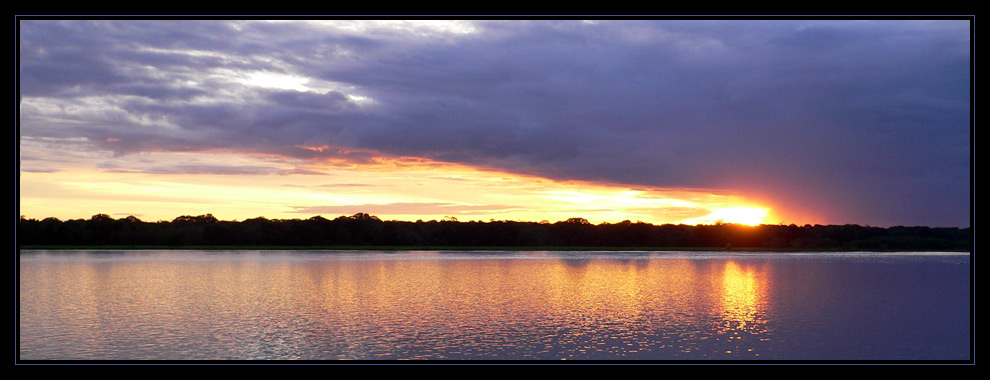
[455, 248]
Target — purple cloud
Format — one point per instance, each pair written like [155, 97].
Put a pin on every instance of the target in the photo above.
[855, 121]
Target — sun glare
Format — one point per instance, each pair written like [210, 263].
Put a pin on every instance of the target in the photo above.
[750, 216]
[400, 188]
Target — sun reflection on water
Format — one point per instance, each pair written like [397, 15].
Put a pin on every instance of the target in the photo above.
[631, 306]
[744, 306]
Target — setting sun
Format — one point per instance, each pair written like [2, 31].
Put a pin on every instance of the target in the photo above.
[257, 118]
[751, 216]
[392, 188]
[577, 189]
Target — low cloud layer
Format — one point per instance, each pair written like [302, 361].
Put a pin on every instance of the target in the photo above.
[432, 208]
[855, 121]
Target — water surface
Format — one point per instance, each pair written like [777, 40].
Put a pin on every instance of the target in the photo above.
[367, 305]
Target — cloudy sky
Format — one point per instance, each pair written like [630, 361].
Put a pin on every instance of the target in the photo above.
[664, 121]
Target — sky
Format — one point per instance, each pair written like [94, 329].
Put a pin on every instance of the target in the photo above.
[662, 121]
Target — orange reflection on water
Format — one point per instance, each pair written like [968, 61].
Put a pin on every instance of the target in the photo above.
[425, 305]
[744, 305]
[617, 289]
[526, 308]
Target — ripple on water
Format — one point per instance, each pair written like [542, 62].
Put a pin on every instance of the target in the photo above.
[493, 305]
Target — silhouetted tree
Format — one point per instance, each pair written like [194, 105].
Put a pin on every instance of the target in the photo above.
[364, 229]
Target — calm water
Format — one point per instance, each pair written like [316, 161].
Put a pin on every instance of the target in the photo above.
[187, 305]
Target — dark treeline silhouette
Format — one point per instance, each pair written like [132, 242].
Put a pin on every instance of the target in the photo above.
[367, 230]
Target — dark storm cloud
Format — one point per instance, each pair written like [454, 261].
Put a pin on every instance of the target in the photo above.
[855, 121]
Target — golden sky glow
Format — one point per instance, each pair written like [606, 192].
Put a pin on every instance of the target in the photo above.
[747, 215]
[154, 187]
[295, 118]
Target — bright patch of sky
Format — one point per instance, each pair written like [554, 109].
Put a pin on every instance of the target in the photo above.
[406, 28]
[859, 121]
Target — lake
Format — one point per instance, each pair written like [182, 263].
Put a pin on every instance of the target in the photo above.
[490, 305]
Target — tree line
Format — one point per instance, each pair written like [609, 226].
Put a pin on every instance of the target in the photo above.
[367, 230]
